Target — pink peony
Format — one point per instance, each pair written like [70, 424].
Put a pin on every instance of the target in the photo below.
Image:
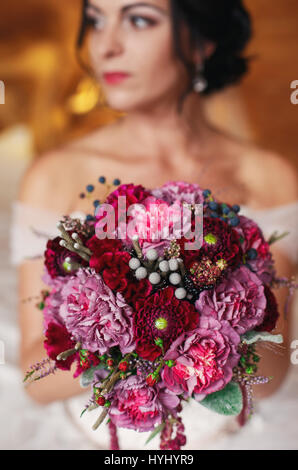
[204, 359]
[239, 299]
[94, 315]
[139, 407]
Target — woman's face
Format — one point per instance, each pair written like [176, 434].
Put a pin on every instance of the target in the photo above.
[135, 38]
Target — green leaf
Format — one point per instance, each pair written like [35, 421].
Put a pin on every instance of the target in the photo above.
[275, 237]
[225, 402]
[83, 412]
[154, 433]
[253, 336]
[87, 377]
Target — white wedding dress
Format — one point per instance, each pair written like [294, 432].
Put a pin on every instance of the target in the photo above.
[273, 426]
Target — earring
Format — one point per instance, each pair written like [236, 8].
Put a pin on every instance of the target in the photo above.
[199, 82]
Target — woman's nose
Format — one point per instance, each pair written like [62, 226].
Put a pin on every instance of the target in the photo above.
[110, 42]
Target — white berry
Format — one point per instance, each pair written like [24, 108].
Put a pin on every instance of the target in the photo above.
[134, 263]
[173, 263]
[152, 254]
[180, 293]
[164, 266]
[154, 278]
[141, 273]
[175, 279]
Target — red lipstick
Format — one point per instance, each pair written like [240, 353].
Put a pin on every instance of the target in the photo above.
[115, 77]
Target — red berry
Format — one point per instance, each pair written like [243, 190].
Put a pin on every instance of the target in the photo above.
[123, 366]
[110, 362]
[85, 364]
[150, 380]
[101, 400]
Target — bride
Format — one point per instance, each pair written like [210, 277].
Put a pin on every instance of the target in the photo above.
[155, 61]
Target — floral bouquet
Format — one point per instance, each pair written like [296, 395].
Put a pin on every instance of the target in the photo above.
[159, 298]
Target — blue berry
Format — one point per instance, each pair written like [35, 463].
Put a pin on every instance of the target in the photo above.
[226, 210]
[90, 188]
[102, 179]
[234, 221]
[96, 203]
[116, 182]
[223, 219]
[214, 214]
[213, 206]
[236, 208]
[206, 193]
[252, 253]
[89, 217]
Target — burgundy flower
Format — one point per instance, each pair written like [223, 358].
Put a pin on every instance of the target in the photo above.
[139, 407]
[137, 290]
[239, 299]
[203, 359]
[111, 261]
[271, 312]
[55, 258]
[161, 316]
[58, 340]
[220, 242]
[134, 195]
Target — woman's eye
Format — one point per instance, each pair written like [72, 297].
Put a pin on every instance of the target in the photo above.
[141, 22]
[95, 22]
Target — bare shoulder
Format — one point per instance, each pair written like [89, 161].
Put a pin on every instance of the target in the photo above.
[272, 178]
[56, 177]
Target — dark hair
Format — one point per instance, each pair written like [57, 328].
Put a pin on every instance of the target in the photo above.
[226, 23]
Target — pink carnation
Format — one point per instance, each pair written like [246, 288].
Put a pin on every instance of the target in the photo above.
[51, 311]
[204, 359]
[179, 191]
[139, 407]
[94, 315]
[239, 299]
[157, 221]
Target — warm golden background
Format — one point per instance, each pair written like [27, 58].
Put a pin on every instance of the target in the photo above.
[48, 92]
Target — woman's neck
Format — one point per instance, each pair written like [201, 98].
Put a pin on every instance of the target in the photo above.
[161, 131]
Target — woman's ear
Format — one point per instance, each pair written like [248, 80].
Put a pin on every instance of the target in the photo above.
[206, 51]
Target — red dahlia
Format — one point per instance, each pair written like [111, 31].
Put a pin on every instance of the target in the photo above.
[161, 316]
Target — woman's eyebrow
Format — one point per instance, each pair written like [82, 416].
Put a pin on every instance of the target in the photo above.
[132, 5]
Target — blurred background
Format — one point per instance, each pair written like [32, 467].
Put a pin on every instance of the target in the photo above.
[49, 100]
